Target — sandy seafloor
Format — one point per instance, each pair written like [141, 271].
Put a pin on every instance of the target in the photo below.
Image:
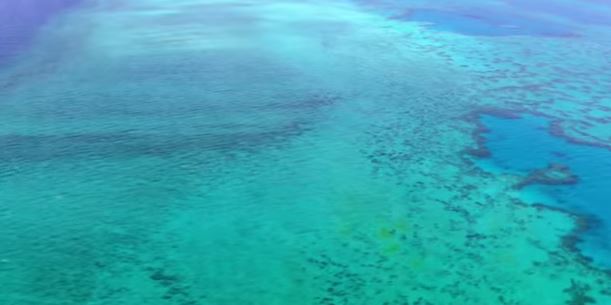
[298, 152]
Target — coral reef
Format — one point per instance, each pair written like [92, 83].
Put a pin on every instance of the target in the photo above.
[553, 174]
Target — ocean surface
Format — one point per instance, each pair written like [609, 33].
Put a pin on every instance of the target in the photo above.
[338, 152]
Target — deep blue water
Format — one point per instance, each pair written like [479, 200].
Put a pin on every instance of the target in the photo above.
[525, 144]
[20, 20]
[487, 22]
[588, 12]
[501, 18]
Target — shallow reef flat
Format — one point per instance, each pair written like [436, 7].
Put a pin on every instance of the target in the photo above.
[280, 152]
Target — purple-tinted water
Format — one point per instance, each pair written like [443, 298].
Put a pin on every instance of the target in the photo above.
[20, 20]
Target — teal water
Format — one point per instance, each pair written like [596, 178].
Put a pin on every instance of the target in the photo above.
[211, 152]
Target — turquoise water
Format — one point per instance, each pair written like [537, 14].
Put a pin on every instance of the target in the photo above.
[189, 152]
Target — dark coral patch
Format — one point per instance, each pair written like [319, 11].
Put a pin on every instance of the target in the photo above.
[553, 174]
